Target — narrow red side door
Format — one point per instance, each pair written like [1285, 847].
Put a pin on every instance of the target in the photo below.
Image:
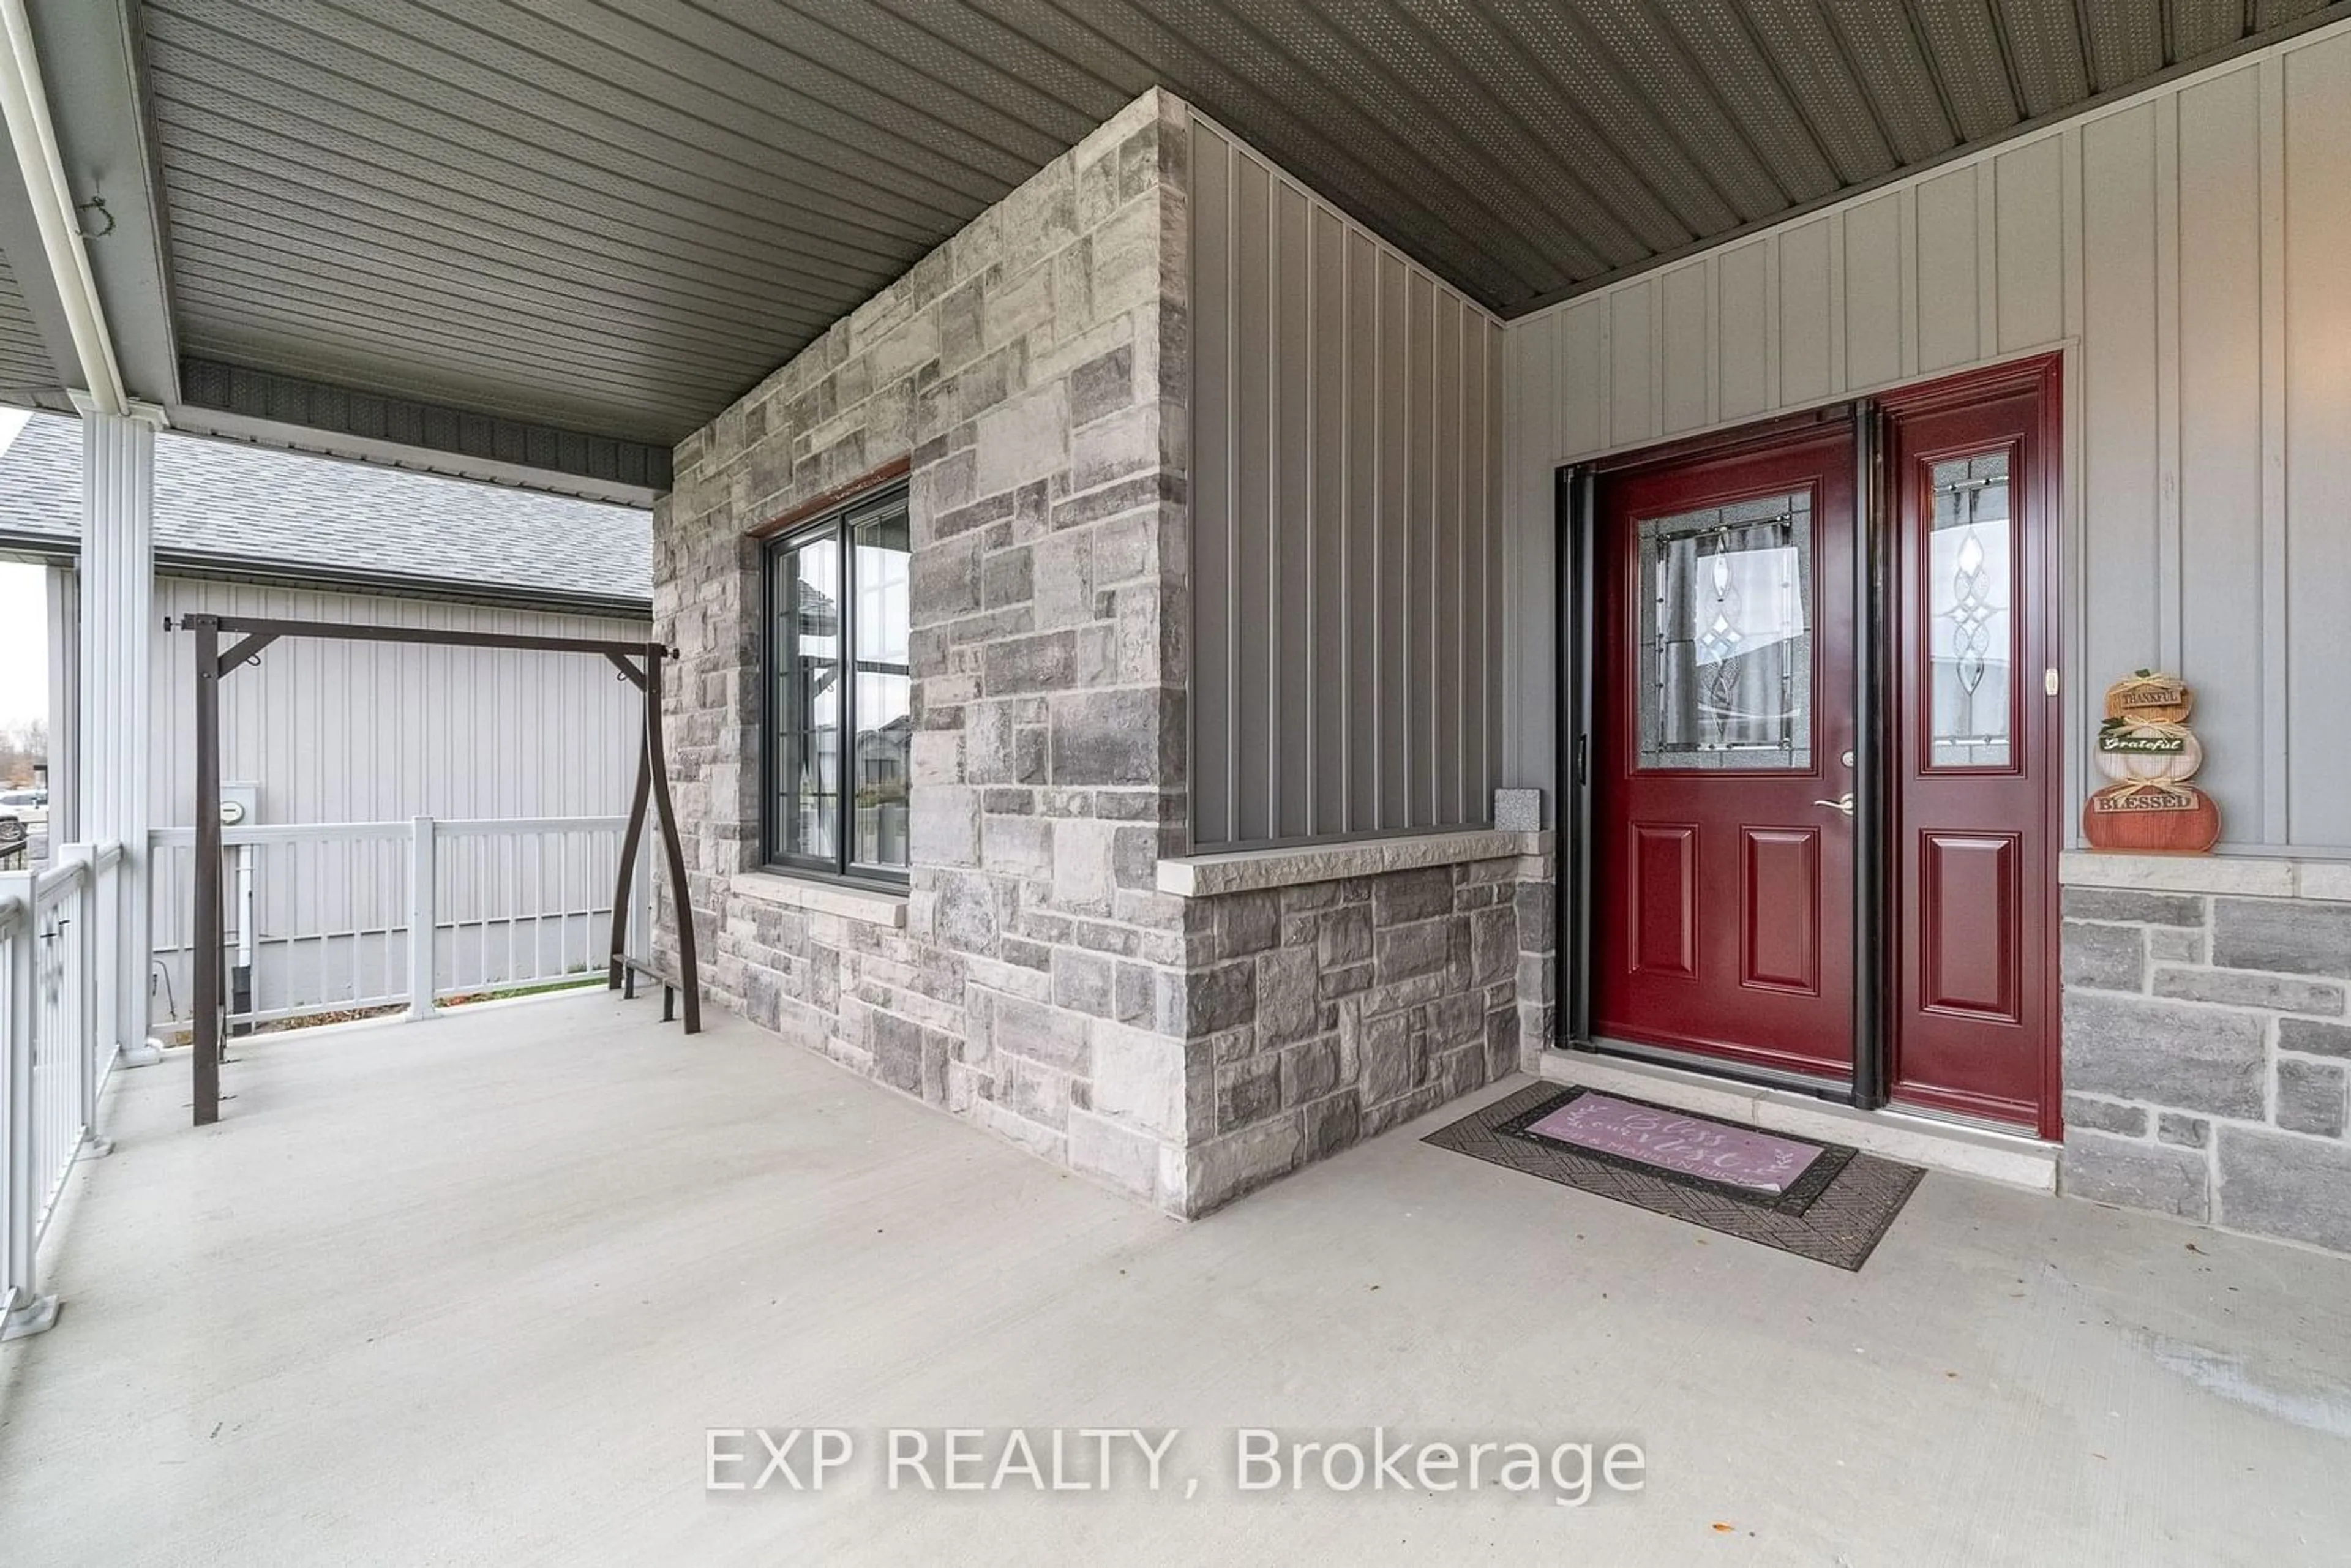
[1723, 737]
[1972, 467]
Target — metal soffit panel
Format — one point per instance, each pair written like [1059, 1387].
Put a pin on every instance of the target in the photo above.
[616, 215]
[26, 373]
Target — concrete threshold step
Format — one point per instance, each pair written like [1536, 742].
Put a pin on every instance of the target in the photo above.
[2012, 1159]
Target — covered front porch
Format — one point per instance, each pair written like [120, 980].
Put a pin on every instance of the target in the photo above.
[481, 1286]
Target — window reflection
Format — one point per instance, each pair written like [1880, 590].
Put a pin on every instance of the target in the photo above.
[808, 675]
[884, 694]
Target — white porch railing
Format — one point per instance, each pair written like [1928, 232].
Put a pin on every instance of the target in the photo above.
[322, 918]
[59, 930]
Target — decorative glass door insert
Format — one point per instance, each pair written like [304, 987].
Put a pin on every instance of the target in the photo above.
[1726, 665]
[1971, 635]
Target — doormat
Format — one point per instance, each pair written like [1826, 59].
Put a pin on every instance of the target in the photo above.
[1828, 1202]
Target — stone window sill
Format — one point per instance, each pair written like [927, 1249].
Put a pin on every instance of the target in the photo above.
[1249, 871]
[871, 905]
[2242, 875]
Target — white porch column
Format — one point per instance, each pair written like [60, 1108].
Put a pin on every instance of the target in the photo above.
[118, 633]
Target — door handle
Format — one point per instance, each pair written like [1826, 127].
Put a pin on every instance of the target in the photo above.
[1842, 803]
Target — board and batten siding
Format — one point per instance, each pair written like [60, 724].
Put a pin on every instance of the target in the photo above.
[2189, 250]
[1346, 530]
[373, 732]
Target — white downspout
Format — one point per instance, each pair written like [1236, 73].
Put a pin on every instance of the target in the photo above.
[26, 106]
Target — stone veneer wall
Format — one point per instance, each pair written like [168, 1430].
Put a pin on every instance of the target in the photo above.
[1032, 371]
[1035, 979]
[2206, 1052]
[1327, 1011]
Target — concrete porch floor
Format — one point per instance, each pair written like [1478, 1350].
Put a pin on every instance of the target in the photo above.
[472, 1290]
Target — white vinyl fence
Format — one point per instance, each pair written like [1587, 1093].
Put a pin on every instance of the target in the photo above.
[59, 929]
[318, 917]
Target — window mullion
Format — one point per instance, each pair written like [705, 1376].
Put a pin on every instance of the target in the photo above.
[844, 804]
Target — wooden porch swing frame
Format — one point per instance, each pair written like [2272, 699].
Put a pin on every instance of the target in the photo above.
[215, 665]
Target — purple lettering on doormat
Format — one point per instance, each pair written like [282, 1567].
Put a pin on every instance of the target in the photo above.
[1691, 1144]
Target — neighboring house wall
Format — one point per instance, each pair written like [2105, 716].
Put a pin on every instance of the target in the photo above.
[361, 732]
[1347, 528]
[372, 732]
[2187, 250]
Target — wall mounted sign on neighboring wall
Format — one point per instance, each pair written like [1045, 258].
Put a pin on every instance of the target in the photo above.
[2146, 747]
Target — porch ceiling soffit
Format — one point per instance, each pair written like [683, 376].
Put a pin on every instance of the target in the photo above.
[616, 218]
[90, 69]
[90, 54]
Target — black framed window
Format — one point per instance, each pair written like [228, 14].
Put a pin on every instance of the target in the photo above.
[841, 713]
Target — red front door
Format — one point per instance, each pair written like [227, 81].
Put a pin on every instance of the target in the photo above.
[1723, 737]
[1971, 474]
[1724, 723]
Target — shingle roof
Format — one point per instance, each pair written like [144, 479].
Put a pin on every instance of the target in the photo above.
[255, 508]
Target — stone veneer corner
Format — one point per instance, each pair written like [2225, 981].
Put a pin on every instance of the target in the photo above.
[1042, 978]
[1030, 373]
